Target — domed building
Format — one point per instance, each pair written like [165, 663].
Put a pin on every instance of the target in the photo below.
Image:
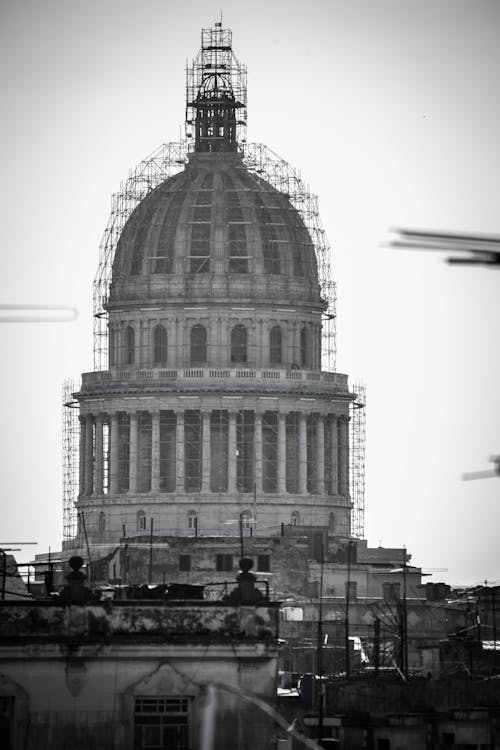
[213, 411]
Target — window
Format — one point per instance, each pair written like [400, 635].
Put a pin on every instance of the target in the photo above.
[102, 522]
[161, 723]
[129, 346]
[160, 345]
[275, 355]
[263, 563]
[295, 518]
[246, 520]
[224, 563]
[192, 520]
[239, 344]
[331, 523]
[303, 348]
[198, 345]
[141, 521]
[184, 563]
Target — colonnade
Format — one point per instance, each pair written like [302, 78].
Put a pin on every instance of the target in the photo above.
[179, 451]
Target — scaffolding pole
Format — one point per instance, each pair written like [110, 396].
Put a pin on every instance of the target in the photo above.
[70, 461]
[166, 161]
[267, 165]
[357, 463]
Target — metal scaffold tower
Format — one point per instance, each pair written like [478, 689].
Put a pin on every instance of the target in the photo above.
[216, 87]
[70, 458]
[166, 161]
[282, 176]
[357, 465]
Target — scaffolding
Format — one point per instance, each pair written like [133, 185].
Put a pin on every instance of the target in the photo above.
[166, 161]
[169, 159]
[70, 463]
[216, 93]
[287, 180]
[357, 463]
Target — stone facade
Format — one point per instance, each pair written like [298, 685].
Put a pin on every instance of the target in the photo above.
[214, 409]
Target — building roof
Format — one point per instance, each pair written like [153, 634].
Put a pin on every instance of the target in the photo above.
[215, 232]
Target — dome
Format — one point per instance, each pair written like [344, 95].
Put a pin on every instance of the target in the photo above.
[215, 232]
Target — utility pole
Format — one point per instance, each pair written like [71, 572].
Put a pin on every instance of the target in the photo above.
[347, 603]
[89, 566]
[404, 642]
[319, 652]
[150, 573]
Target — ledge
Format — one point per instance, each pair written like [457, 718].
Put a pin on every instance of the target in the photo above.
[326, 384]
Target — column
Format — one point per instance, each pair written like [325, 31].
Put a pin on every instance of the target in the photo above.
[302, 454]
[81, 491]
[89, 455]
[99, 458]
[258, 451]
[343, 470]
[132, 487]
[155, 451]
[334, 463]
[281, 453]
[320, 455]
[231, 453]
[205, 452]
[113, 454]
[179, 456]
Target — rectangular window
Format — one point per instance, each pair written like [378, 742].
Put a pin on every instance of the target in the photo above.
[168, 443]
[144, 438]
[192, 450]
[219, 425]
[185, 563]
[270, 451]
[123, 450]
[224, 563]
[263, 563]
[161, 723]
[245, 451]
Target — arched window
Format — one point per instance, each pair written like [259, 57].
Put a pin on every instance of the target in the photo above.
[192, 520]
[129, 346]
[331, 523]
[304, 348]
[295, 518]
[275, 353]
[141, 520]
[246, 519]
[198, 345]
[160, 345]
[239, 344]
[102, 522]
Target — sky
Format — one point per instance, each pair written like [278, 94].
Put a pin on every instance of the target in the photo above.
[390, 110]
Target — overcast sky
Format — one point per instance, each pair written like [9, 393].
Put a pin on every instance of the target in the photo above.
[390, 110]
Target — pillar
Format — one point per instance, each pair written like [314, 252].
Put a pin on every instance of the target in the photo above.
[343, 469]
[99, 457]
[320, 455]
[231, 453]
[258, 452]
[81, 419]
[179, 456]
[302, 454]
[89, 455]
[132, 487]
[334, 462]
[281, 453]
[155, 451]
[113, 454]
[205, 452]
